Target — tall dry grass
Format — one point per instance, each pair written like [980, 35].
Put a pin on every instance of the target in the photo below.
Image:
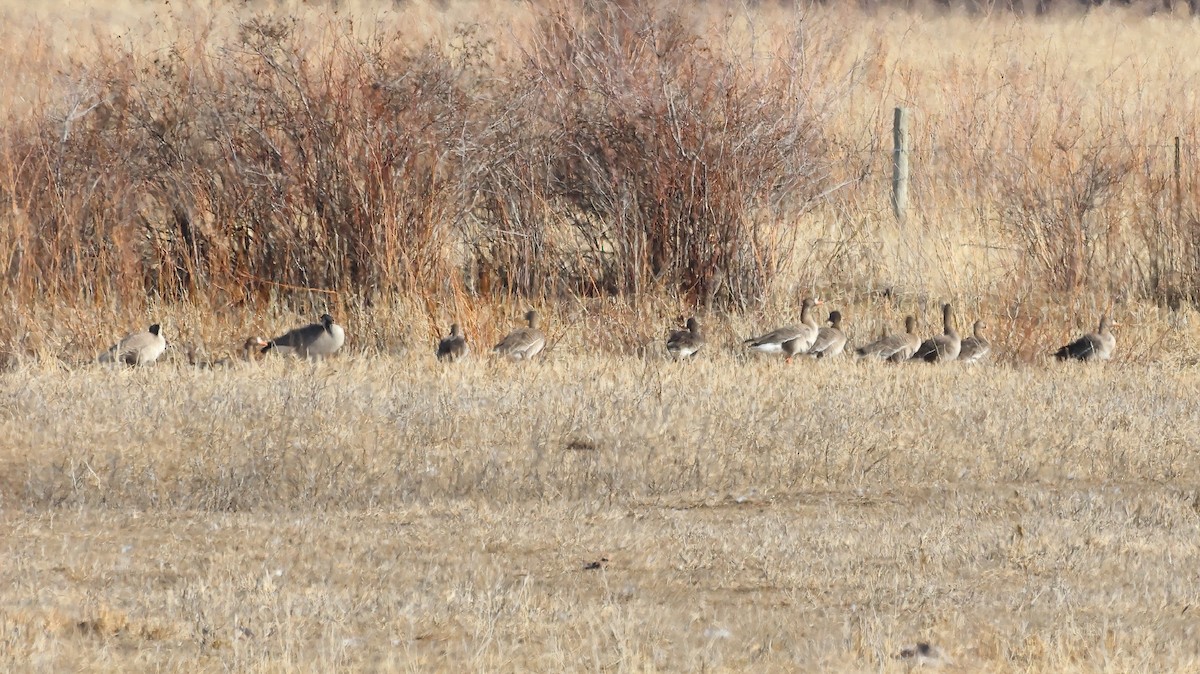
[242, 158]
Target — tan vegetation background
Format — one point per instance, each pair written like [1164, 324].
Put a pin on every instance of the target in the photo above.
[250, 161]
[234, 169]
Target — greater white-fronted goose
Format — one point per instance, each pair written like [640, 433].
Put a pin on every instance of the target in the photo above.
[453, 346]
[523, 343]
[684, 343]
[791, 339]
[894, 348]
[250, 350]
[139, 348]
[976, 347]
[941, 348]
[1098, 345]
[831, 341]
[316, 340]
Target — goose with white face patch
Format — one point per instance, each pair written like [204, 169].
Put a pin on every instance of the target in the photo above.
[139, 348]
[316, 340]
[791, 339]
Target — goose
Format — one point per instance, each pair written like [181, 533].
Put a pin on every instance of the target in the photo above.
[523, 343]
[792, 339]
[1097, 345]
[684, 343]
[831, 341]
[941, 348]
[976, 347]
[315, 340]
[894, 348]
[454, 346]
[250, 348]
[139, 348]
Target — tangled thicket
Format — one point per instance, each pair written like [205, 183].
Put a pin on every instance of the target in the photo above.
[612, 150]
[621, 154]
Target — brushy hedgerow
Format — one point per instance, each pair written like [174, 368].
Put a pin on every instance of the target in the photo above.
[689, 154]
[621, 152]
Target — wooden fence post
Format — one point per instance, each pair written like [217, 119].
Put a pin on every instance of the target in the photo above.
[1178, 182]
[900, 163]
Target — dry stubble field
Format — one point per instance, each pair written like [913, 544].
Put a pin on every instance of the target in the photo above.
[381, 512]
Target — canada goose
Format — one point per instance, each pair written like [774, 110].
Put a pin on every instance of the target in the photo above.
[894, 348]
[454, 346]
[831, 341]
[139, 348]
[944, 347]
[683, 343]
[1097, 345]
[976, 347]
[791, 339]
[315, 340]
[523, 343]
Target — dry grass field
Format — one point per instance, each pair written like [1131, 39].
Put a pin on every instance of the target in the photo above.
[217, 168]
[384, 512]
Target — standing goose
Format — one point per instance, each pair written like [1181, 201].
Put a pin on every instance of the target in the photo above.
[139, 348]
[944, 347]
[831, 341]
[976, 347]
[1097, 345]
[523, 343]
[792, 339]
[454, 346]
[315, 340]
[684, 343]
[894, 348]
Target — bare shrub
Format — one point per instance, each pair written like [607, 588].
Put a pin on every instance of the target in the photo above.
[1056, 210]
[254, 164]
[647, 160]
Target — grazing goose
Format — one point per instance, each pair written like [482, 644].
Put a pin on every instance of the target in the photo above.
[683, 343]
[976, 347]
[454, 346]
[315, 340]
[831, 341]
[941, 348]
[792, 339]
[523, 343]
[139, 348]
[894, 348]
[250, 348]
[1097, 345]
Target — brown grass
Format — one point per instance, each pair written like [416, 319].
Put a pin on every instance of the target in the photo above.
[232, 157]
[229, 171]
[388, 513]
